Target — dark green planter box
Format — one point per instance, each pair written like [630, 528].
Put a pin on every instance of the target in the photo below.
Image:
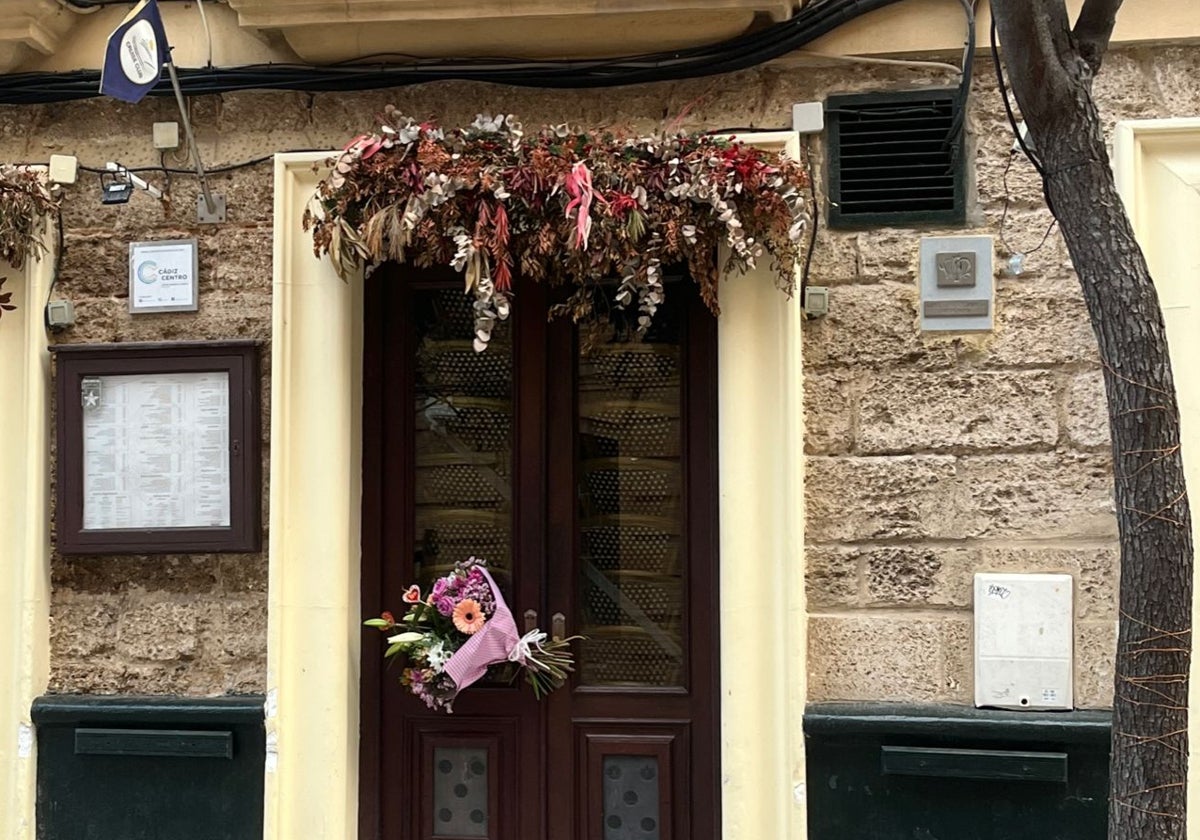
[138, 768]
[892, 772]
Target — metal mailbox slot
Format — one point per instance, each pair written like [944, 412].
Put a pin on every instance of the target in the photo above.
[147, 768]
[897, 772]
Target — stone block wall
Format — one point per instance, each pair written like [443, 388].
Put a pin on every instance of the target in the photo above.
[928, 458]
[188, 624]
[934, 457]
[931, 458]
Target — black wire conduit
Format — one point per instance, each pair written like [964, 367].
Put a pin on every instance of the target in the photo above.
[727, 56]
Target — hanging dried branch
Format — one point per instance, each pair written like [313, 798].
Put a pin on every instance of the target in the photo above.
[558, 206]
[24, 200]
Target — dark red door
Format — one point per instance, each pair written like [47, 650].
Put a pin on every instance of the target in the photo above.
[582, 467]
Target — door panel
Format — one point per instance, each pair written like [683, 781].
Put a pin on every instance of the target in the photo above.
[635, 782]
[467, 781]
[582, 469]
[463, 439]
[634, 529]
[449, 473]
[629, 481]
[463, 794]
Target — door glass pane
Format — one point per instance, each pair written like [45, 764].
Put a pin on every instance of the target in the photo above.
[463, 439]
[460, 792]
[631, 580]
[631, 797]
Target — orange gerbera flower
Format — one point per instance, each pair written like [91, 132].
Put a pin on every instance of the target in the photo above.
[468, 616]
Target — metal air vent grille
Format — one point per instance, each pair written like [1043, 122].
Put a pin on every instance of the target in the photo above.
[895, 158]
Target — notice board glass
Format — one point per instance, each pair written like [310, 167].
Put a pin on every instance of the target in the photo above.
[158, 448]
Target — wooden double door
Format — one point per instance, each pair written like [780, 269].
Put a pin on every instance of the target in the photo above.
[581, 464]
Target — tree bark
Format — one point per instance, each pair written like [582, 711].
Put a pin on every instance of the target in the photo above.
[1051, 70]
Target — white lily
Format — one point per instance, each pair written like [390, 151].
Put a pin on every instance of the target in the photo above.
[406, 638]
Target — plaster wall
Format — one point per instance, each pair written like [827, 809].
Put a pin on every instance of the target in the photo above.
[927, 458]
[24, 489]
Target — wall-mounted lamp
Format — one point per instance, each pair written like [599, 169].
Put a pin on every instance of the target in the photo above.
[114, 189]
[116, 185]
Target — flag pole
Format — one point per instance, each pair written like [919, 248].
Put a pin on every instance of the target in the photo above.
[187, 131]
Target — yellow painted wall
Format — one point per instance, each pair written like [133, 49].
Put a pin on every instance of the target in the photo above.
[761, 468]
[313, 626]
[24, 538]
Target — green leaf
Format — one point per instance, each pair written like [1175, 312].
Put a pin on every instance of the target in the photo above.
[636, 225]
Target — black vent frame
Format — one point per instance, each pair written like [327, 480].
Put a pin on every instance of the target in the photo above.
[893, 160]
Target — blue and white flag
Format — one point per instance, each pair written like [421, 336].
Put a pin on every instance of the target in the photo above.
[136, 52]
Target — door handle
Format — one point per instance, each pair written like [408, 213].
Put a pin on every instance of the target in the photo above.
[558, 626]
[530, 620]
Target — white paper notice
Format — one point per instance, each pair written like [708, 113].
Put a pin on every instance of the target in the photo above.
[156, 451]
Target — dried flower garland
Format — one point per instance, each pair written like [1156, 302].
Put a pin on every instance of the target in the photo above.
[24, 199]
[557, 206]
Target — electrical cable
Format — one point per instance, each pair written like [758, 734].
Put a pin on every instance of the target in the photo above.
[79, 10]
[207, 32]
[744, 129]
[923, 110]
[170, 170]
[1017, 257]
[87, 6]
[58, 255]
[1008, 110]
[162, 159]
[816, 219]
[889, 62]
[738, 53]
[1012, 121]
[963, 95]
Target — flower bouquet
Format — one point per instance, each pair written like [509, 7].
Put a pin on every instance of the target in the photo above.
[450, 637]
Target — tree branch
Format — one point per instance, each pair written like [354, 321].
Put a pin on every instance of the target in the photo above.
[1037, 41]
[1094, 28]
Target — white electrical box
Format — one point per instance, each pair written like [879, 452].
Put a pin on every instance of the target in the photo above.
[808, 118]
[166, 135]
[64, 169]
[1024, 652]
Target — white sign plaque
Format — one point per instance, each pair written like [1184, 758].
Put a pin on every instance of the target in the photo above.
[156, 450]
[163, 276]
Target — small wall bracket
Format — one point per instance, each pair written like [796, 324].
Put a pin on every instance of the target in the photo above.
[203, 216]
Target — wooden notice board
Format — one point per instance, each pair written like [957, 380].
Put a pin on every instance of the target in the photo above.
[158, 448]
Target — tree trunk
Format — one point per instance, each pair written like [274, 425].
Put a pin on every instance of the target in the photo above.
[1052, 83]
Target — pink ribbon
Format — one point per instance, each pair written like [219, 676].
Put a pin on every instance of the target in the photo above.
[491, 644]
[579, 186]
